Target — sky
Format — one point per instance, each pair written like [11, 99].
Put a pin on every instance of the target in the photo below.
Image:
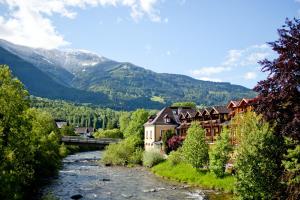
[206, 39]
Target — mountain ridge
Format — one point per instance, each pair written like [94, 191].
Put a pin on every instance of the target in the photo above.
[119, 85]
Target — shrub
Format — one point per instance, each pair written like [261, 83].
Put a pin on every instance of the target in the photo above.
[136, 157]
[165, 138]
[112, 133]
[123, 153]
[220, 154]
[175, 142]
[176, 157]
[151, 158]
[194, 148]
[63, 150]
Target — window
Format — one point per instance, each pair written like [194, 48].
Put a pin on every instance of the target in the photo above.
[150, 134]
[216, 130]
[146, 134]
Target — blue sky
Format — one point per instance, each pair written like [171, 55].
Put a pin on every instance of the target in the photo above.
[206, 39]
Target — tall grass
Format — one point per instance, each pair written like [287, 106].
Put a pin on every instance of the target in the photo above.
[186, 173]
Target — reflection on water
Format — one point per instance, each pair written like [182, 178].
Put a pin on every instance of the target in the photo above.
[82, 175]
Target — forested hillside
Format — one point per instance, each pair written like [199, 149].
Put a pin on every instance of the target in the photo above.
[84, 77]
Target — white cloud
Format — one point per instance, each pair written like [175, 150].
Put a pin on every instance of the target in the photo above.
[236, 58]
[27, 22]
[250, 75]
[210, 79]
[207, 71]
[168, 53]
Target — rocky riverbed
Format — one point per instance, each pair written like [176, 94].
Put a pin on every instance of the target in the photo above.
[82, 177]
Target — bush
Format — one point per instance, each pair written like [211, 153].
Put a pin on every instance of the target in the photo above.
[165, 138]
[176, 157]
[195, 148]
[151, 158]
[136, 157]
[123, 153]
[63, 150]
[220, 154]
[175, 142]
[112, 133]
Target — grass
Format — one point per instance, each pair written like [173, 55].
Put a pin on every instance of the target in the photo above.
[186, 173]
[158, 99]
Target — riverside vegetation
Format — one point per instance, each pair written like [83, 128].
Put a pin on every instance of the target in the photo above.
[29, 141]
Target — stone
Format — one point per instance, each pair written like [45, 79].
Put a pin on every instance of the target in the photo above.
[76, 196]
[127, 196]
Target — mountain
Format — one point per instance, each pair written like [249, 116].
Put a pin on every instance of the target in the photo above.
[85, 77]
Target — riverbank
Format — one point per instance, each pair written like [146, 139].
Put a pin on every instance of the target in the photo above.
[187, 174]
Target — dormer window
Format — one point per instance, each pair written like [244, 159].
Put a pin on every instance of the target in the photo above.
[167, 119]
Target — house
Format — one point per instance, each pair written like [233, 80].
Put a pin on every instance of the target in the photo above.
[178, 120]
[212, 120]
[236, 107]
[60, 123]
[165, 120]
[85, 131]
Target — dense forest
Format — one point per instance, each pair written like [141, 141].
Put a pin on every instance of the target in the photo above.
[81, 115]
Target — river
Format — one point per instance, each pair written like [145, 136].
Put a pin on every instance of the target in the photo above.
[82, 175]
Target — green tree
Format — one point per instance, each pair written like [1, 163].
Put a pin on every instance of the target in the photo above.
[29, 146]
[257, 171]
[14, 99]
[185, 104]
[195, 148]
[220, 154]
[68, 130]
[124, 121]
[135, 126]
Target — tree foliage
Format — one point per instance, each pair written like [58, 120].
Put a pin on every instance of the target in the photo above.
[279, 95]
[124, 120]
[79, 114]
[195, 148]
[219, 155]
[175, 142]
[110, 133]
[165, 138]
[185, 104]
[29, 146]
[258, 173]
[135, 126]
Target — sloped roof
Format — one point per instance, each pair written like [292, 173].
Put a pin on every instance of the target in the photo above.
[173, 113]
[61, 124]
[247, 101]
[221, 109]
[82, 130]
[234, 103]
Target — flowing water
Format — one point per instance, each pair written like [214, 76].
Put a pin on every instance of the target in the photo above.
[82, 175]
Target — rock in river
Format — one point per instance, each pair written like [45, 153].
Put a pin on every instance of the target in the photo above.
[76, 196]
